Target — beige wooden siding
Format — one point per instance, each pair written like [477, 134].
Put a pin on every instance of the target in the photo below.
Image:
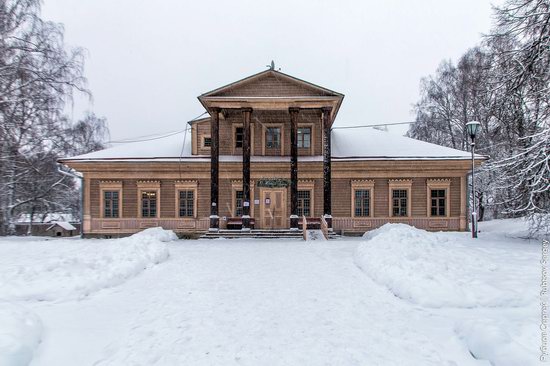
[167, 198]
[129, 198]
[94, 198]
[381, 197]
[341, 191]
[341, 198]
[419, 200]
[203, 197]
[455, 196]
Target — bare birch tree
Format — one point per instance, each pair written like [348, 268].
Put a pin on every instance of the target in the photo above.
[504, 84]
[37, 76]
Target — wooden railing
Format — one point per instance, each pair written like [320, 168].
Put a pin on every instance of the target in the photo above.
[368, 223]
[324, 227]
[133, 225]
[304, 227]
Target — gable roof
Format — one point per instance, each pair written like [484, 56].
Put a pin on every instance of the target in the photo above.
[272, 90]
[270, 83]
[199, 120]
[62, 224]
[347, 144]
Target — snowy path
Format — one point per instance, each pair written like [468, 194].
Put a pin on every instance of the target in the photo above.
[248, 303]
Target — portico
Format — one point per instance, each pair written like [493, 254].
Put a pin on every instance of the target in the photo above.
[290, 97]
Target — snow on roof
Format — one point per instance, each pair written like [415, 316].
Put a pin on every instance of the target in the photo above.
[347, 144]
[370, 143]
[171, 146]
[51, 217]
[62, 224]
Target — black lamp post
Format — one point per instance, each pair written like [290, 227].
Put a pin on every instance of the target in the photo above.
[472, 128]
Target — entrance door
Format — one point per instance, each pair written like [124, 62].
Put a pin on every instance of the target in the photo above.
[273, 208]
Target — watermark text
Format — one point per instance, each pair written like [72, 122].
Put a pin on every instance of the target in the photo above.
[544, 302]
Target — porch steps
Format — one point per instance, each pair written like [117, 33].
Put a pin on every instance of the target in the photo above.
[253, 234]
[257, 234]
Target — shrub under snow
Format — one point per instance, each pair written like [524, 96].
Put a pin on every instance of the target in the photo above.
[436, 270]
[20, 334]
[61, 270]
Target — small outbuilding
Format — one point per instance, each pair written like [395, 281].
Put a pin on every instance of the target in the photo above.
[62, 228]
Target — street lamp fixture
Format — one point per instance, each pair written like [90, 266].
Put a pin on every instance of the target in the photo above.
[472, 128]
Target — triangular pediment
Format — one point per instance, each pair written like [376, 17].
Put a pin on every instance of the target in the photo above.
[271, 83]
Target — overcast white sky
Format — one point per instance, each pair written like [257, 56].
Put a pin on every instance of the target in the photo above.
[149, 60]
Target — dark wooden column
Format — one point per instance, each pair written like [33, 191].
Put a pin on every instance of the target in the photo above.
[294, 168]
[214, 168]
[327, 210]
[246, 168]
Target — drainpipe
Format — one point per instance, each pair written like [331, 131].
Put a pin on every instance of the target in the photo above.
[73, 175]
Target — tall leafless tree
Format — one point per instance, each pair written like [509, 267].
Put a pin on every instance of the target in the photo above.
[37, 76]
[505, 84]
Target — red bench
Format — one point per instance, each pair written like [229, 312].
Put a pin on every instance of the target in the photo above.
[236, 223]
[312, 222]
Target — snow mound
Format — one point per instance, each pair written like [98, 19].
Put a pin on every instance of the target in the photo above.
[437, 270]
[57, 271]
[20, 334]
[155, 234]
[503, 342]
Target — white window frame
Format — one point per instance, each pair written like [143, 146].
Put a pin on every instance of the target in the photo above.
[148, 186]
[109, 186]
[186, 186]
[400, 184]
[362, 185]
[438, 184]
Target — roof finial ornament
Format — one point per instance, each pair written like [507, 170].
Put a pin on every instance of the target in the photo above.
[272, 66]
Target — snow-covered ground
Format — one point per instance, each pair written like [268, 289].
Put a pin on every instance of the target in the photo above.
[489, 287]
[55, 270]
[400, 296]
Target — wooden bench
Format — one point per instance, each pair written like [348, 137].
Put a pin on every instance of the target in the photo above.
[236, 223]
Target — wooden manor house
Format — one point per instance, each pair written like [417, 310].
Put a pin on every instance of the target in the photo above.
[268, 158]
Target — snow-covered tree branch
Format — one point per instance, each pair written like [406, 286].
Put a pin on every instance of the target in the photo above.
[505, 84]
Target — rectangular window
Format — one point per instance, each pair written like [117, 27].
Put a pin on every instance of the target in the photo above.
[304, 137]
[362, 202]
[238, 203]
[273, 137]
[399, 205]
[239, 137]
[110, 204]
[304, 203]
[438, 202]
[149, 204]
[187, 203]
[207, 142]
